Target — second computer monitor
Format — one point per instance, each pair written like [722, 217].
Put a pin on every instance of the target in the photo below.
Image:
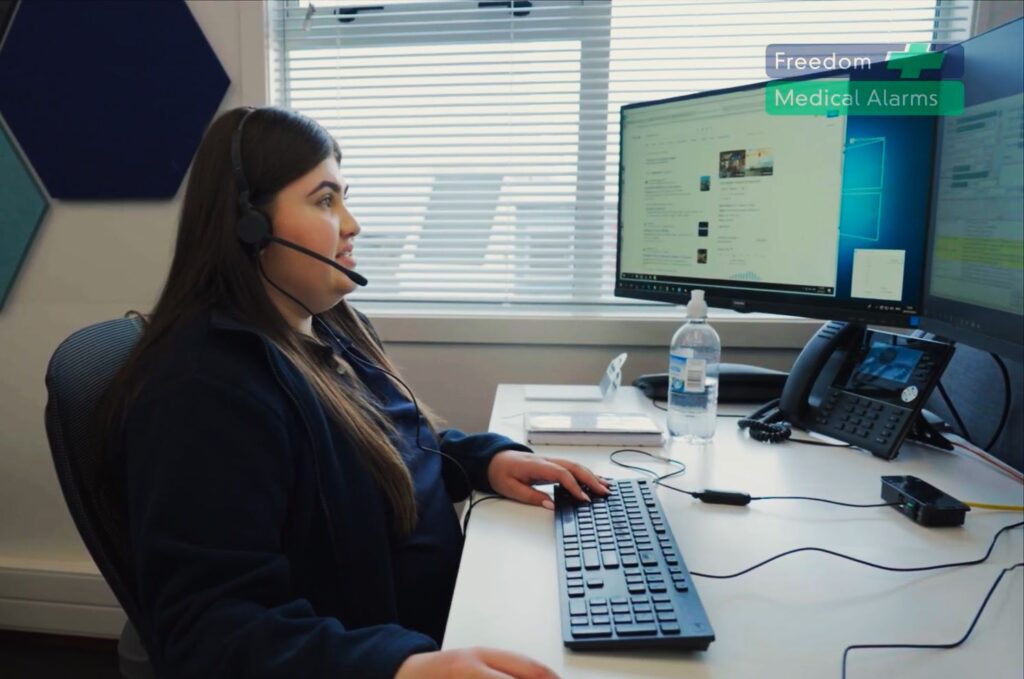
[821, 216]
[974, 290]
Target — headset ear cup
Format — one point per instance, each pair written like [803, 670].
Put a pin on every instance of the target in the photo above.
[253, 231]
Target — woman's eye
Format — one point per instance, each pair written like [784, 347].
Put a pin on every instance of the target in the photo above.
[326, 201]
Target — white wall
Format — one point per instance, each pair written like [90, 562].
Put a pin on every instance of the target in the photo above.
[89, 262]
[93, 261]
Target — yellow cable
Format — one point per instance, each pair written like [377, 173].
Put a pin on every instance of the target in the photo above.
[983, 505]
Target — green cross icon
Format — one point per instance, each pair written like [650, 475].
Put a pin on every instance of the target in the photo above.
[914, 59]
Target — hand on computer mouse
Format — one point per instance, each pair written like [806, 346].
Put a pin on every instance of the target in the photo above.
[472, 663]
[513, 474]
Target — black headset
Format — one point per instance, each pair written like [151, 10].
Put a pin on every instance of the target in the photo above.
[253, 227]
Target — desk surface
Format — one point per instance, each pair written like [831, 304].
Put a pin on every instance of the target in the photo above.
[794, 616]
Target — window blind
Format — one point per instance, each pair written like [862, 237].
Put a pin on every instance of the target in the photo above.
[480, 139]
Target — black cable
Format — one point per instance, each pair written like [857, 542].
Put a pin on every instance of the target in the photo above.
[415, 403]
[474, 503]
[821, 499]
[660, 481]
[954, 644]
[655, 402]
[952, 409]
[1007, 398]
[657, 478]
[898, 569]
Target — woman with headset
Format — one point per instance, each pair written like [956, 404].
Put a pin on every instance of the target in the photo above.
[288, 501]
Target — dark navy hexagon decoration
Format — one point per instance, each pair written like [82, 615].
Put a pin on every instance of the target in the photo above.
[108, 100]
[22, 207]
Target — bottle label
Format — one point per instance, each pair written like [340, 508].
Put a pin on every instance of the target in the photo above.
[693, 382]
[687, 374]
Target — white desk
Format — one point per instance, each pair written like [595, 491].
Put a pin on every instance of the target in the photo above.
[794, 616]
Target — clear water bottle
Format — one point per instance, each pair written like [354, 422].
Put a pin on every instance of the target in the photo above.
[694, 356]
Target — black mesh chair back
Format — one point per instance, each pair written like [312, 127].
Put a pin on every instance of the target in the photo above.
[80, 371]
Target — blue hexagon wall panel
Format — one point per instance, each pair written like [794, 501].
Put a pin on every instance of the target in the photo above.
[22, 207]
[107, 99]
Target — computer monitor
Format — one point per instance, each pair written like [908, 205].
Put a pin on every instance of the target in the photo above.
[820, 216]
[974, 287]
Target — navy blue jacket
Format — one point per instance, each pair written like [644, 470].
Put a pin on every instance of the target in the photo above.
[262, 546]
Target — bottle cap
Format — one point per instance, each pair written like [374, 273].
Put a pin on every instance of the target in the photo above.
[697, 307]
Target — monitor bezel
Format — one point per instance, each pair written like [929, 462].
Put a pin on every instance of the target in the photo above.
[774, 302]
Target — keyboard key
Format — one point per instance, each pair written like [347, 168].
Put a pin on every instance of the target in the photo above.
[648, 558]
[591, 632]
[568, 524]
[656, 587]
[665, 617]
[577, 608]
[629, 560]
[579, 620]
[623, 619]
[641, 608]
[575, 592]
[661, 599]
[619, 600]
[595, 583]
[638, 588]
[663, 607]
[572, 564]
[636, 630]
[669, 628]
[602, 620]
[645, 617]
[620, 608]
[590, 559]
[610, 559]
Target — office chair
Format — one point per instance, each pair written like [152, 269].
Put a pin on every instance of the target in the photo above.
[80, 370]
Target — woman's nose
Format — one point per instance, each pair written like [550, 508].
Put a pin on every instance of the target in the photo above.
[349, 224]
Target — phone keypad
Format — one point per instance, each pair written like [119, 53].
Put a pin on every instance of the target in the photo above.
[861, 421]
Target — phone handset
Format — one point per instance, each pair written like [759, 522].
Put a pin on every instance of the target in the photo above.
[831, 337]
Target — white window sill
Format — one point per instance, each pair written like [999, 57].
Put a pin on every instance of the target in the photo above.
[600, 326]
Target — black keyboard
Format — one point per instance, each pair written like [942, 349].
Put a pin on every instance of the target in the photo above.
[622, 579]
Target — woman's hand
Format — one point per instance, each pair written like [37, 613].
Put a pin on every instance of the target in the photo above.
[472, 663]
[512, 473]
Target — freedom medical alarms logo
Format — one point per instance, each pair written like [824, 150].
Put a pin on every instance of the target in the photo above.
[865, 79]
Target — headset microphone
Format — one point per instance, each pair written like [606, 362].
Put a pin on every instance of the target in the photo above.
[253, 228]
[352, 275]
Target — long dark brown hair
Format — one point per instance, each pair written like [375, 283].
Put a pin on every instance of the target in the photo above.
[211, 270]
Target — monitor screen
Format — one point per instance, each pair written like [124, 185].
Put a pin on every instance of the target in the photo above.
[821, 216]
[975, 281]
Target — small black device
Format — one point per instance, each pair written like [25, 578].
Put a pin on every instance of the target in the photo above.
[622, 579]
[254, 226]
[737, 383]
[865, 387]
[923, 502]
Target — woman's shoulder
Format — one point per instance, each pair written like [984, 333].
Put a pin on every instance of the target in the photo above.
[210, 350]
